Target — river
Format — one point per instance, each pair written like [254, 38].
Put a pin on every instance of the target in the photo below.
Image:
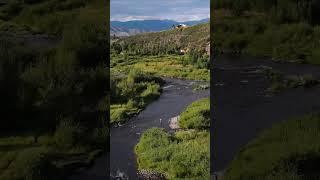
[243, 108]
[176, 96]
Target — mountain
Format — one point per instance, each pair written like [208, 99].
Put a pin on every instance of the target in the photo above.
[128, 28]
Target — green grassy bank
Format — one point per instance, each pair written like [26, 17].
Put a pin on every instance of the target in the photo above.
[184, 154]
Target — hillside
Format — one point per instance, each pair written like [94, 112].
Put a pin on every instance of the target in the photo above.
[128, 28]
[170, 41]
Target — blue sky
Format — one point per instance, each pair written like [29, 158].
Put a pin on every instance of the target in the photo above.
[179, 10]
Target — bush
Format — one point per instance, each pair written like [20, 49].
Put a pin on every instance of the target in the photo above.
[183, 156]
[196, 115]
[152, 92]
[31, 164]
[68, 134]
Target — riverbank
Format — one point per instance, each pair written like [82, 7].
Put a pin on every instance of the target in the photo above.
[179, 154]
[176, 95]
[257, 34]
[243, 106]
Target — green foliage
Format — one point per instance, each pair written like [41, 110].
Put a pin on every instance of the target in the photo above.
[32, 163]
[196, 115]
[280, 11]
[166, 42]
[183, 156]
[287, 150]
[67, 78]
[152, 92]
[68, 134]
[256, 35]
[132, 93]
[280, 82]
[175, 66]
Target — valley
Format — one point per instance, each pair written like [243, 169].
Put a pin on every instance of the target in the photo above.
[153, 82]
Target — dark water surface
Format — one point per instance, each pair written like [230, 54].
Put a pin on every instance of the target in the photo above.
[242, 107]
[176, 95]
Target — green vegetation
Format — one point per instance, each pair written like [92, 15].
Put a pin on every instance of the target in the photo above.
[164, 66]
[196, 116]
[279, 81]
[129, 95]
[54, 98]
[172, 53]
[288, 150]
[52, 156]
[195, 38]
[283, 29]
[184, 154]
[146, 58]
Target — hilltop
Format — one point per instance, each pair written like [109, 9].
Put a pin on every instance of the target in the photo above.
[171, 41]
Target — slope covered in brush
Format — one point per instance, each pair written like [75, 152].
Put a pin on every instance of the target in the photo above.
[166, 42]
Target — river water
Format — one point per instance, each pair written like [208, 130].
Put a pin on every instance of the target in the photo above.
[243, 108]
[176, 96]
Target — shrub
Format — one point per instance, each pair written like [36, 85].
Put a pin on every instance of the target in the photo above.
[31, 164]
[196, 115]
[183, 156]
[68, 134]
[152, 92]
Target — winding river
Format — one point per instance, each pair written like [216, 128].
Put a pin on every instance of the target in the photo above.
[176, 95]
[243, 108]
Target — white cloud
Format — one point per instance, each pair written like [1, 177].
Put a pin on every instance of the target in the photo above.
[131, 18]
[178, 10]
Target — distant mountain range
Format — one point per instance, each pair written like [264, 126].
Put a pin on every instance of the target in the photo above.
[129, 28]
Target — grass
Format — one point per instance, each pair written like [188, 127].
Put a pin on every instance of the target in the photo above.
[165, 66]
[21, 158]
[184, 154]
[133, 93]
[76, 26]
[196, 115]
[121, 112]
[166, 42]
[288, 150]
[256, 35]
[129, 100]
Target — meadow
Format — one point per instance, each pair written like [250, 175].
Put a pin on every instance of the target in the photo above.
[173, 66]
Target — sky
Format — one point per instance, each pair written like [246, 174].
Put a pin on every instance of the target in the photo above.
[178, 10]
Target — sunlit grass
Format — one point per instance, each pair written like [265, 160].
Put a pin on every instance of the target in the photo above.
[165, 66]
[185, 155]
